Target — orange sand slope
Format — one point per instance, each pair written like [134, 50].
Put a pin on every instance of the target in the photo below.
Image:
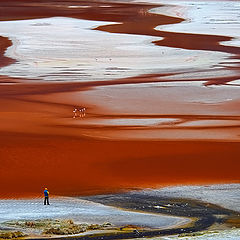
[72, 166]
[153, 129]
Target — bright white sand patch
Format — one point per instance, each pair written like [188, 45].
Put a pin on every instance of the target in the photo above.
[81, 211]
[138, 122]
[207, 17]
[166, 98]
[226, 195]
[67, 49]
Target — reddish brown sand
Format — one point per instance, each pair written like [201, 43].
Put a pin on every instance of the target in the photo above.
[74, 166]
[38, 150]
[4, 44]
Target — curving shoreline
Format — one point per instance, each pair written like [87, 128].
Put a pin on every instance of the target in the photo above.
[205, 217]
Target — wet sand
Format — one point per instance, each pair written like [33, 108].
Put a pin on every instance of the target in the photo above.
[82, 211]
[189, 135]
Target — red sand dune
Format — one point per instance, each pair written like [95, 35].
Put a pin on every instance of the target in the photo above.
[72, 166]
[36, 151]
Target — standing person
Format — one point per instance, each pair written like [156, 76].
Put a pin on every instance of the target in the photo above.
[46, 197]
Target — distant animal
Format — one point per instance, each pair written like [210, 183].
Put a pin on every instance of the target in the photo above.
[82, 112]
[79, 112]
[75, 113]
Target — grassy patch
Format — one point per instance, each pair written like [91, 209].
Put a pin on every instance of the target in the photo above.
[196, 234]
[11, 235]
[57, 227]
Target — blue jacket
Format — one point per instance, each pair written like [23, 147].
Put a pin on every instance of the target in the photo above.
[46, 193]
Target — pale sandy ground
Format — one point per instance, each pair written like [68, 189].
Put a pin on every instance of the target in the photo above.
[82, 211]
[225, 195]
[71, 52]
